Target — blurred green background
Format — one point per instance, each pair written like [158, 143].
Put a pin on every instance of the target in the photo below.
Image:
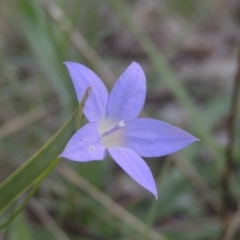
[188, 50]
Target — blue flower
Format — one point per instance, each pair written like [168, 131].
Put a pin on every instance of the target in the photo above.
[114, 126]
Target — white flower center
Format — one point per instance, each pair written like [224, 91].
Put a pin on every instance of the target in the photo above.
[111, 132]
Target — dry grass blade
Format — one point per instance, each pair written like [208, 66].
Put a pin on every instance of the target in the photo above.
[108, 203]
[22, 121]
[206, 192]
[78, 41]
[227, 196]
[233, 226]
[47, 220]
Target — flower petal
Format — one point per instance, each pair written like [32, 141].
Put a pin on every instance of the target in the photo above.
[85, 145]
[152, 138]
[134, 166]
[128, 94]
[96, 104]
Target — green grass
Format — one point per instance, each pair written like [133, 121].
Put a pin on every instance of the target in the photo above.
[188, 53]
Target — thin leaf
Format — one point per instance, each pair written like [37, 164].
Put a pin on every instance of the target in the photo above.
[27, 174]
[33, 169]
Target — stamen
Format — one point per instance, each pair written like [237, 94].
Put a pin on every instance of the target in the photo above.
[111, 132]
[122, 123]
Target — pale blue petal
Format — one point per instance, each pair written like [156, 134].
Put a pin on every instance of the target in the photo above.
[128, 94]
[134, 166]
[85, 145]
[152, 138]
[82, 78]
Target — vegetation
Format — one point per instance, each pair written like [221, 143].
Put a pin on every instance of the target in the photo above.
[189, 52]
